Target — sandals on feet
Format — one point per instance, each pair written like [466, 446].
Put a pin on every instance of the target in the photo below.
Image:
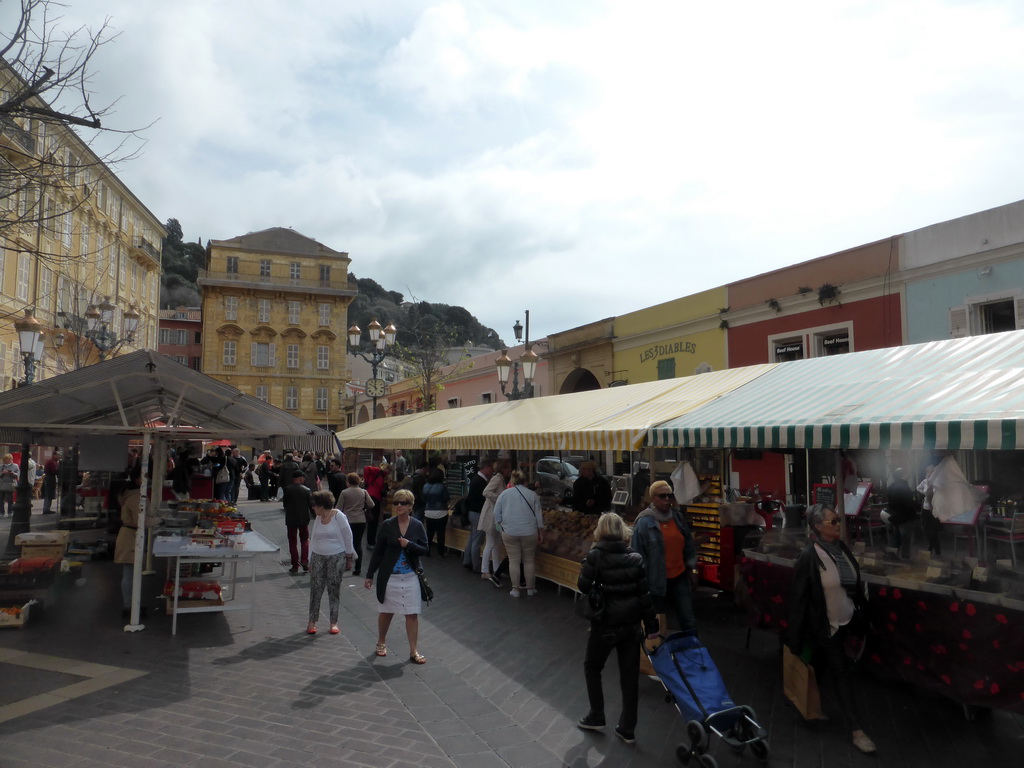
[382, 649]
[418, 658]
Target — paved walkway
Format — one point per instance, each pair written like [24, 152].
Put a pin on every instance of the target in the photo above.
[503, 686]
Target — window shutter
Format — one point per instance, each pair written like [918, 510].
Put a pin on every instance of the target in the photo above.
[273, 356]
[959, 322]
[253, 354]
[1018, 306]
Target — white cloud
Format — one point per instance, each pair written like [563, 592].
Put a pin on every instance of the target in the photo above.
[580, 159]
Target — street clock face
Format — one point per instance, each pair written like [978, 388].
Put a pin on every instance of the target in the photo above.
[376, 387]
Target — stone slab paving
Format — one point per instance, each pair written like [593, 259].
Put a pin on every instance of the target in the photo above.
[503, 687]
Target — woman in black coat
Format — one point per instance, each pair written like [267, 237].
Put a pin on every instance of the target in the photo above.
[401, 541]
[826, 593]
[621, 576]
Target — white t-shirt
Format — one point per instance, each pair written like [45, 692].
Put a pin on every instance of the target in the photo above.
[333, 538]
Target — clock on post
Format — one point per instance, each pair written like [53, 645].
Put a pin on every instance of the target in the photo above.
[376, 387]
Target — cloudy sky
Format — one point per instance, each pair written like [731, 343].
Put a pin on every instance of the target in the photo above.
[577, 158]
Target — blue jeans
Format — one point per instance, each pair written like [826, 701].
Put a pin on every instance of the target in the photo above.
[678, 598]
[472, 554]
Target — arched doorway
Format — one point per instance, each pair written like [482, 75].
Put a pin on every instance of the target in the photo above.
[363, 415]
[580, 380]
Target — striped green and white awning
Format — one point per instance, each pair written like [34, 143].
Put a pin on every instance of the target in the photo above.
[954, 394]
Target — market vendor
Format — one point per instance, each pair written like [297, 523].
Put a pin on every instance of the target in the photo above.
[130, 500]
[591, 492]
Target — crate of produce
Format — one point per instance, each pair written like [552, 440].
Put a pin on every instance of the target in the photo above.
[231, 526]
[29, 573]
[194, 590]
[14, 614]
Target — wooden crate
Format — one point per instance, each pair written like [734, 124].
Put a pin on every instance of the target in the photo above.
[9, 620]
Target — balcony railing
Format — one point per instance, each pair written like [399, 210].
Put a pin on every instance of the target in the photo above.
[271, 281]
[143, 244]
[19, 134]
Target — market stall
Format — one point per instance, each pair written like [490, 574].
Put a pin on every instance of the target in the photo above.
[964, 395]
[608, 419]
[936, 625]
[148, 397]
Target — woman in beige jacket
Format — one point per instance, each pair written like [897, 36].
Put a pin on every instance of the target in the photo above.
[494, 550]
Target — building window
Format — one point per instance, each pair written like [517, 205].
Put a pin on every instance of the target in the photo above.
[230, 352]
[666, 368]
[165, 336]
[325, 274]
[264, 267]
[230, 307]
[45, 287]
[294, 311]
[232, 265]
[24, 271]
[291, 398]
[197, 363]
[997, 316]
[788, 349]
[834, 343]
[325, 314]
[262, 355]
[135, 276]
[321, 398]
[263, 393]
[487, 397]
[323, 358]
[453, 402]
[292, 355]
[263, 311]
[83, 244]
[181, 338]
[198, 338]
[295, 270]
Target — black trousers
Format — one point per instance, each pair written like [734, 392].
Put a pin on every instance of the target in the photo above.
[357, 542]
[625, 641]
[372, 522]
[830, 657]
[436, 527]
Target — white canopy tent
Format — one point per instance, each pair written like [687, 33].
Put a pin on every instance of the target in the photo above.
[148, 396]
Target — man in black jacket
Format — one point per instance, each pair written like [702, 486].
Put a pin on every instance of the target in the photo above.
[298, 510]
[474, 503]
[591, 493]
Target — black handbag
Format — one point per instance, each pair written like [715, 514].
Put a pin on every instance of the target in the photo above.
[426, 592]
[591, 605]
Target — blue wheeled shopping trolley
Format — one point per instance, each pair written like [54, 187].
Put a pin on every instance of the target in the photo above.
[692, 681]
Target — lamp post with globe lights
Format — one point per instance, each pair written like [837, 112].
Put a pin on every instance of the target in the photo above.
[382, 343]
[508, 367]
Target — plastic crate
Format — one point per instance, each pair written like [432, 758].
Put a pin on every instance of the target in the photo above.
[12, 619]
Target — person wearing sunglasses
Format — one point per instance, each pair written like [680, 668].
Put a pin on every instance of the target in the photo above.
[663, 537]
[823, 603]
[401, 541]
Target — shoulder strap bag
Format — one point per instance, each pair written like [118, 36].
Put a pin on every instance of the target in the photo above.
[591, 605]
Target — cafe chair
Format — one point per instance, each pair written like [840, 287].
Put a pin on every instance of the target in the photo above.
[1010, 530]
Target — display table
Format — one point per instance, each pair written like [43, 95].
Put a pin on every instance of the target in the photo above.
[960, 643]
[557, 570]
[180, 551]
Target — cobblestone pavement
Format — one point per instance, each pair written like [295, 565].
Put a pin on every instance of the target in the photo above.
[503, 686]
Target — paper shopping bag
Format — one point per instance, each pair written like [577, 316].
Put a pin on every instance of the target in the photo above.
[645, 663]
[800, 685]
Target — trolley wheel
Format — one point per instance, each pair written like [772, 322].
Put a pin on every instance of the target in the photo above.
[698, 736]
[760, 749]
[683, 754]
[707, 761]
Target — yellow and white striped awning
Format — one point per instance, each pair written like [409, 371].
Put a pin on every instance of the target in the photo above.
[605, 419]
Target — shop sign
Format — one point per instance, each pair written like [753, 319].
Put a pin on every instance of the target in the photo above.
[788, 349]
[663, 350]
[832, 341]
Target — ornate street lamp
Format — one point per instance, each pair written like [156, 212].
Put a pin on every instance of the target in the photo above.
[507, 367]
[382, 342]
[30, 337]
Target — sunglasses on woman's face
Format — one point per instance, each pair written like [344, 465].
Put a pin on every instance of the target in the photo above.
[401, 503]
[833, 521]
